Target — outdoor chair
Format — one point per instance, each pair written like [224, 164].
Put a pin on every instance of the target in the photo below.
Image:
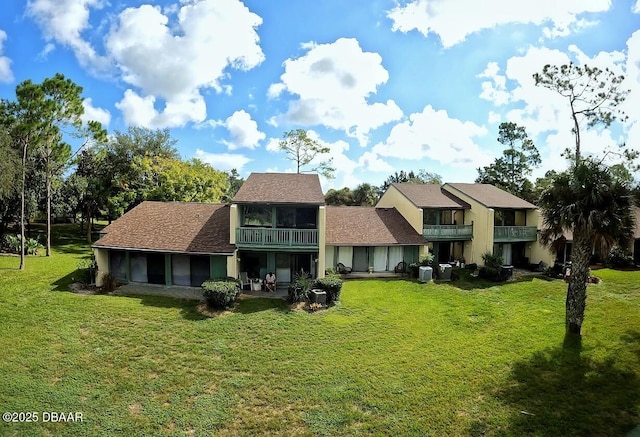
[244, 280]
[401, 267]
[342, 269]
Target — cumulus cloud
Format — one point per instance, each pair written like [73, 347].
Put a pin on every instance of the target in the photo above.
[495, 89]
[444, 18]
[370, 161]
[243, 130]
[64, 21]
[434, 135]
[223, 161]
[547, 116]
[174, 61]
[636, 8]
[6, 75]
[92, 113]
[333, 84]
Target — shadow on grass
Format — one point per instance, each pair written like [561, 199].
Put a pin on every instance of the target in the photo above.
[466, 282]
[257, 304]
[78, 275]
[561, 391]
[188, 307]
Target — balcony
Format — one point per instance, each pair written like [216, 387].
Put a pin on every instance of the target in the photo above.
[447, 232]
[506, 234]
[276, 238]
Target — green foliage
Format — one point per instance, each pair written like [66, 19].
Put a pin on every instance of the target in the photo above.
[332, 285]
[300, 286]
[427, 259]
[31, 245]
[363, 195]
[422, 177]
[492, 268]
[9, 166]
[220, 294]
[510, 171]
[303, 151]
[618, 258]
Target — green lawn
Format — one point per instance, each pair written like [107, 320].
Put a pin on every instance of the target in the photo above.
[393, 358]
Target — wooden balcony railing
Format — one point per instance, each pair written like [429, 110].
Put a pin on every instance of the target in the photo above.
[247, 237]
[447, 232]
[514, 233]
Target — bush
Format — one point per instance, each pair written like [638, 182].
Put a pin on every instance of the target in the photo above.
[492, 269]
[413, 270]
[299, 287]
[220, 294]
[427, 260]
[109, 283]
[31, 245]
[617, 258]
[332, 285]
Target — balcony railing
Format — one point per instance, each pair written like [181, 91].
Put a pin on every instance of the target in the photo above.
[514, 233]
[447, 232]
[276, 238]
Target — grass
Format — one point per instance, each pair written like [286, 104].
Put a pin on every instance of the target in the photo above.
[394, 357]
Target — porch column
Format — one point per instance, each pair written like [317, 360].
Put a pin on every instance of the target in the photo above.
[167, 269]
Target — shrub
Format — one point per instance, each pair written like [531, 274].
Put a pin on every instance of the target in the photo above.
[299, 287]
[492, 269]
[617, 258]
[413, 270]
[109, 283]
[31, 245]
[330, 271]
[220, 294]
[427, 260]
[332, 285]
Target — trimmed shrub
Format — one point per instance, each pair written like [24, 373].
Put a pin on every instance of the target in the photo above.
[617, 258]
[220, 294]
[332, 285]
[427, 260]
[299, 287]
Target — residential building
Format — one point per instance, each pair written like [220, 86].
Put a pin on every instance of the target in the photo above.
[464, 221]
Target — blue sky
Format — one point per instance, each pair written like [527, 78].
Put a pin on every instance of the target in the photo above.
[387, 85]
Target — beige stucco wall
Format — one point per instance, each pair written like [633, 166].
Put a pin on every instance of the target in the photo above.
[322, 234]
[232, 265]
[234, 219]
[393, 198]
[102, 259]
[482, 219]
[535, 250]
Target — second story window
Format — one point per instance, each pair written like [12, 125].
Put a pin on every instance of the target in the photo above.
[504, 217]
[259, 216]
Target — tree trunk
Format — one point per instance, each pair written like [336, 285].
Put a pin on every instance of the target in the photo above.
[24, 181]
[577, 288]
[48, 249]
[88, 228]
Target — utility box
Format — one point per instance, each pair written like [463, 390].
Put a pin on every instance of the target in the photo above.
[445, 272]
[425, 273]
[318, 296]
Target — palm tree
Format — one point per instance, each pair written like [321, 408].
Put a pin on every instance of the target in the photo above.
[588, 200]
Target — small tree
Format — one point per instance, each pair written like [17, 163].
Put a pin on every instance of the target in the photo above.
[510, 171]
[303, 150]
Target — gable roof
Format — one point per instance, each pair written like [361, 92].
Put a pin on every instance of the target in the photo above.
[367, 226]
[430, 196]
[491, 196]
[281, 188]
[198, 228]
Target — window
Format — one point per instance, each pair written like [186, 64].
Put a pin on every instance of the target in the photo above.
[504, 217]
[256, 216]
[430, 217]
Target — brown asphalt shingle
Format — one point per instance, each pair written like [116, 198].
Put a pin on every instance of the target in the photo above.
[366, 226]
[171, 227]
[491, 196]
[430, 196]
[281, 188]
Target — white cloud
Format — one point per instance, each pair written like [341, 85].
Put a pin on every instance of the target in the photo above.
[371, 161]
[454, 20]
[223, 161]
[64, 21]
[174, 61]
[92, 113]
[636, 8]
[434, 135]
[333, 83]
[494, 90]
[243, 130]
[273, 145]
[6, 75]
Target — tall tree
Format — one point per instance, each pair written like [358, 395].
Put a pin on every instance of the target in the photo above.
[9, 165]
[589, 200]
[586, 199]
[518, 160]
[303, 151]
[594, 96]
[365, 195]
[422, 177]
[235, 182]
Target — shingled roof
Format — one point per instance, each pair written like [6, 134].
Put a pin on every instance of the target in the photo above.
[491, 196]
[284, 188]
[366, 226]
[430, 196]
[198, 228]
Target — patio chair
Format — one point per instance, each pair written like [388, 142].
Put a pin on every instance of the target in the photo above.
[244, 280]
[342, 269]
[401, 267]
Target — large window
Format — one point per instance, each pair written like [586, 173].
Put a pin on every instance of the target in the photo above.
[256, 216]
[505, 217]
[301, 218]
[117, 264]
